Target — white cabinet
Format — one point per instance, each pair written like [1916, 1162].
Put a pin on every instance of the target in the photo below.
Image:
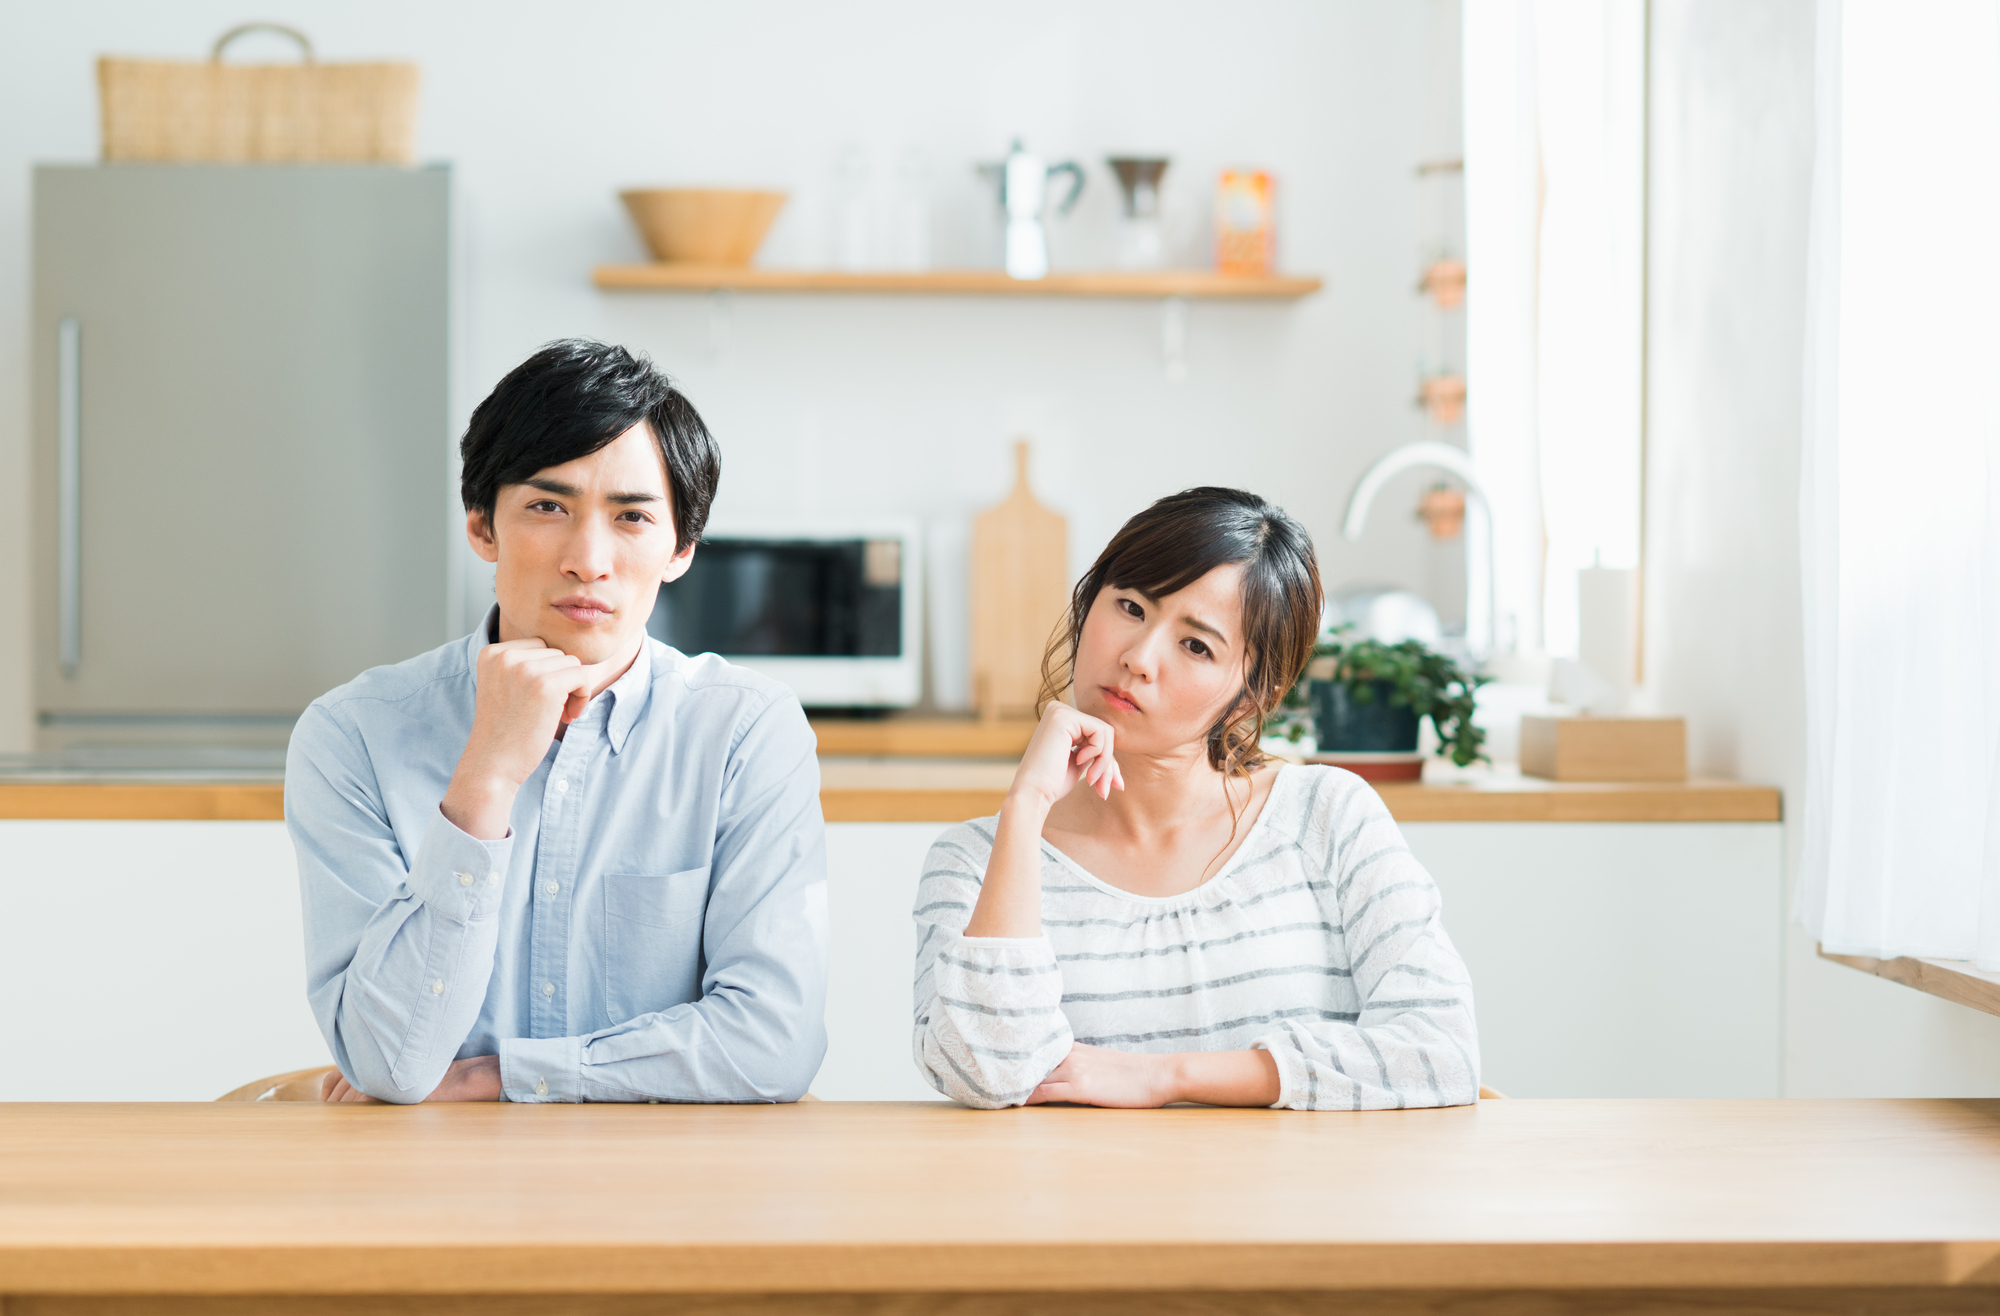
[872, 871]
[163, 961]
[1618, 959]
[149, 961]
[1607, 959]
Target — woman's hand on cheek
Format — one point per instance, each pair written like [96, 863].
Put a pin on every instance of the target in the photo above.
[1100, 1076]
[1068, 747]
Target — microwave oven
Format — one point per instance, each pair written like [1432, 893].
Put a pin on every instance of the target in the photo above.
[832, 610]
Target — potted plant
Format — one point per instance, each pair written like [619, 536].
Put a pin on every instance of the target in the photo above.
[1363, 702]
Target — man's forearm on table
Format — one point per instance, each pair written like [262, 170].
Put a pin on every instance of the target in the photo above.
[402, 1023]
[720, 1048]
[417, 979]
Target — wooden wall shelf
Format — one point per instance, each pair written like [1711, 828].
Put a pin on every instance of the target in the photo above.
[1204, 285]
[1954, 980]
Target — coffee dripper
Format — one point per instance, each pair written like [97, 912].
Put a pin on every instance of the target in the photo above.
[1141, 244]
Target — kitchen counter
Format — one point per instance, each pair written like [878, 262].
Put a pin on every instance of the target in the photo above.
[915, 790]
[1539, 899]
[1584, 1207]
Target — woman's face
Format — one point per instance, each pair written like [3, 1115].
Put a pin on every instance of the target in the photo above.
[1161, 671]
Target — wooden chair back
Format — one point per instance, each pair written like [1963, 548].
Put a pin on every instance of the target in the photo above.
[306, 1085]
[298, 1085]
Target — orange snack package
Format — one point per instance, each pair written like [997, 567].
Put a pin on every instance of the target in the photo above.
[1246, 222]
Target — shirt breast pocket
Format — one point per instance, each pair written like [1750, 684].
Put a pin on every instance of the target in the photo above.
[652, 941]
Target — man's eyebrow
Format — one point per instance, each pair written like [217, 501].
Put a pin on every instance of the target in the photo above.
[622, 497]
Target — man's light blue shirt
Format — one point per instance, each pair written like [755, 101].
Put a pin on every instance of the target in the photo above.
[652, 928]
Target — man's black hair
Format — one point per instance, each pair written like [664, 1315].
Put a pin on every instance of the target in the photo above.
[568, 400]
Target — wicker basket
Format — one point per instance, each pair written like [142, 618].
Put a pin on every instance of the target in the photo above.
[175, 110]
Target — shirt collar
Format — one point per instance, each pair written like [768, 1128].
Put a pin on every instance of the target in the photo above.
[628, 694]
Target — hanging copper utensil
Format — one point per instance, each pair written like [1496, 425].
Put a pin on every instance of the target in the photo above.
[1442, 508]
[1443, 396]
[1444, 282]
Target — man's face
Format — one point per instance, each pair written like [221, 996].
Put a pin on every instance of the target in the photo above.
[580, 549]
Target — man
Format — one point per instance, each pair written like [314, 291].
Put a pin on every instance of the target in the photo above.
[557, 860]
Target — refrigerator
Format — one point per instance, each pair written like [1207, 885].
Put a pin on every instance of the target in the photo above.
[243, 476]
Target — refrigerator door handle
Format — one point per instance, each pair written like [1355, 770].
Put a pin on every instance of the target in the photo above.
[69, 494]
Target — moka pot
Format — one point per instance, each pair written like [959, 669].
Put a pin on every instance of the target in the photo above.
[1024, 192]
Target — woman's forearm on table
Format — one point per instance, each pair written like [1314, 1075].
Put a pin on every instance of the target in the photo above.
[1226, 1078]
[1010, 897]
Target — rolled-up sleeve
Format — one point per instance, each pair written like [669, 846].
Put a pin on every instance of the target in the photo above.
[989, 1024]
[758, 1032]
[399, 948]
[1415, 1042]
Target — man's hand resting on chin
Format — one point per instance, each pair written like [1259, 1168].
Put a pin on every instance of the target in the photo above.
[526, 692]
[475, 1078]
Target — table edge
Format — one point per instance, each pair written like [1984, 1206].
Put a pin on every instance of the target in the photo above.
[1001, 1267]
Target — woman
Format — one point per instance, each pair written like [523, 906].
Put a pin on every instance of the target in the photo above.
[1159, 913]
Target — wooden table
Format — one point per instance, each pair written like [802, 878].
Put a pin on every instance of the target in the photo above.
[1509, 1207]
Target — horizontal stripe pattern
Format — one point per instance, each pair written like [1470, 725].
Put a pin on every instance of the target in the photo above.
[1321, 942]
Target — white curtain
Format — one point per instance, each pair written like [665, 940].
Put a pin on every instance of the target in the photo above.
[1502, 230]
[1900, 485]
[1554, 190]
[1590, 75]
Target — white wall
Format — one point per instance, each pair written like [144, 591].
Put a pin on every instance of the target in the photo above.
[882, 405]
[1732, 138]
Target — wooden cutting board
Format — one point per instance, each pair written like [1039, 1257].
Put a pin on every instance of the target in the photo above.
[1020, 591]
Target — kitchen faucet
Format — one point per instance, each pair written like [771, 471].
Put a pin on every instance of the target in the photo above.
[1478, 528]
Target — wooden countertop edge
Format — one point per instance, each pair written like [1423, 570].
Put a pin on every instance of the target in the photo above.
[259, 801]
[1954, 980]
[923, 737]
[947, 1267]
[939, 806]
[264, 802]
[1533, 801]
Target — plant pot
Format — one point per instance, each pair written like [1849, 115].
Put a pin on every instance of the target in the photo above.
[1343, 726]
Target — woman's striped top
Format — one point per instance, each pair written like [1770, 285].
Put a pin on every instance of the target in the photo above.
[1319, 941]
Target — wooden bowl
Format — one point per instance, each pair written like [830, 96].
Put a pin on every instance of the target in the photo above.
[703, 226]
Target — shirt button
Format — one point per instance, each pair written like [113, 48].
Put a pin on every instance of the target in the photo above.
[465, 879]
[551, 889]
[562, 785]
[548, 989]
[541, 1087]
[493, 879]
[437, 988]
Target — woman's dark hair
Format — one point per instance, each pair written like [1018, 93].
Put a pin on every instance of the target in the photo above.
[568, 400]
[1176, 542]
